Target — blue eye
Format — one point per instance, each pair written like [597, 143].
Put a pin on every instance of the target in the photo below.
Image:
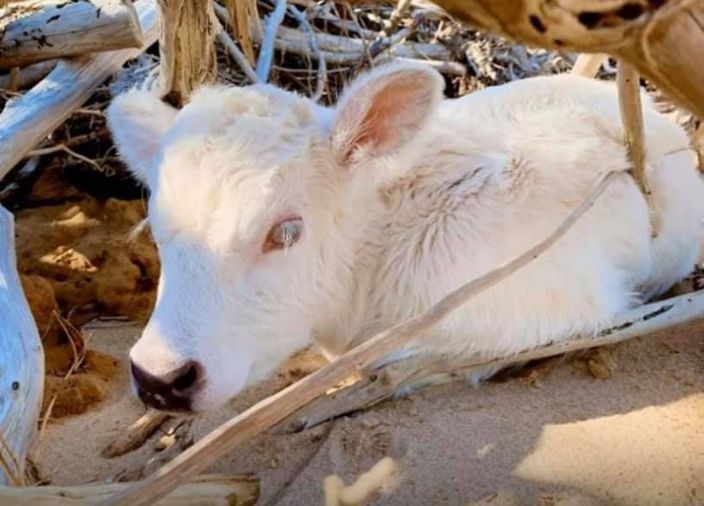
[284, 235]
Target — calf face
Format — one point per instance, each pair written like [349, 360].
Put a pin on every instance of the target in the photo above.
[250, 190]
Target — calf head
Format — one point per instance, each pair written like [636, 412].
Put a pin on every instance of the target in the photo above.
[248, 198]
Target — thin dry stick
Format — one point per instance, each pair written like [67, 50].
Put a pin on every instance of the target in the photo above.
[65, 149]
[313, 42]
[378, 44]
[234, 51]
[237, 55]
[12, 469]
[136, 434]
[588, 65]
[628, 82]
[385, 382]
[43, 424]
[266, 53]
[275, 408]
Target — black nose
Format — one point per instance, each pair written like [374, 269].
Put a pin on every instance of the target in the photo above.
[172, 391]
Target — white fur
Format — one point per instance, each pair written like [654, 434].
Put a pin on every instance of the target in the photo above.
[404, 198]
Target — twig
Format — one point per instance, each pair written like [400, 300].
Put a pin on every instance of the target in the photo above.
[90, 112]
[266, 52]
[378, 44]
[136, 434]
[324, 13]
[22, 175]
[65, 149]
[628, 82]
[271, 410]
[43, 424]
[379, 384]
[14, 471]
[238, 56]
[396, 16]
[14, 79]
[229, 44]
[343, 51]
[451, 68]
[312, 41]
[588, 65]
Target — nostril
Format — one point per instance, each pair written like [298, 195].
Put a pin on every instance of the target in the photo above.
[189, 376]
[144, 380]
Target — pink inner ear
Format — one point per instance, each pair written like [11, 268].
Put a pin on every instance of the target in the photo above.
[388, 118]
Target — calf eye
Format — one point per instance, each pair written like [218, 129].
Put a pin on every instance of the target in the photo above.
[283, 235]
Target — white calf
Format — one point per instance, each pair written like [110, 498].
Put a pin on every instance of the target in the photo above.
[280, 223]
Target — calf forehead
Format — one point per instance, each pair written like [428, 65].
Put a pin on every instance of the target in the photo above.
[228, 153]
[227, 130]
[244, 114]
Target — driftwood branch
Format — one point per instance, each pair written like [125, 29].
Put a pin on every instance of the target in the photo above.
[21, 363]
[338, 50]
[136, 434]
[272, 410]
[385, 382]
[266, 52]
[32, 31]
[662, 40]
[628, 82]
[588, 65]
[241, 490]
[187, 47]
[27, 120]
[240, 58]
[313, 43]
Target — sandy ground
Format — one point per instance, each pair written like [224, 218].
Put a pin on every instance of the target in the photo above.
[559, 437]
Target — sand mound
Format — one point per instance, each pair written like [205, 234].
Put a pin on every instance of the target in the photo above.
[83, 249]
[77, 261]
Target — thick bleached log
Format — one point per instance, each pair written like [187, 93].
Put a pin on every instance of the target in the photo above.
[21, 363]
[30, 118]
[38, 30]
[224, 490]
[187, 47]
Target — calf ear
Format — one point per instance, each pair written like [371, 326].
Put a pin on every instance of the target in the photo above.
[382, 110]
[138, 120]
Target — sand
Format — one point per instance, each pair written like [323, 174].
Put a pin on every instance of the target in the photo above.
[556, 436]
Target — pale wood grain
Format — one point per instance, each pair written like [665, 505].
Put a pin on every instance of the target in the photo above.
[664, 41]
[36, 30]
[240, 490]
[27, 120]
[188, 29]
[21, 363]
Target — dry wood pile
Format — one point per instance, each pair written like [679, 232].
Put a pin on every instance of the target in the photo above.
[60, 63]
